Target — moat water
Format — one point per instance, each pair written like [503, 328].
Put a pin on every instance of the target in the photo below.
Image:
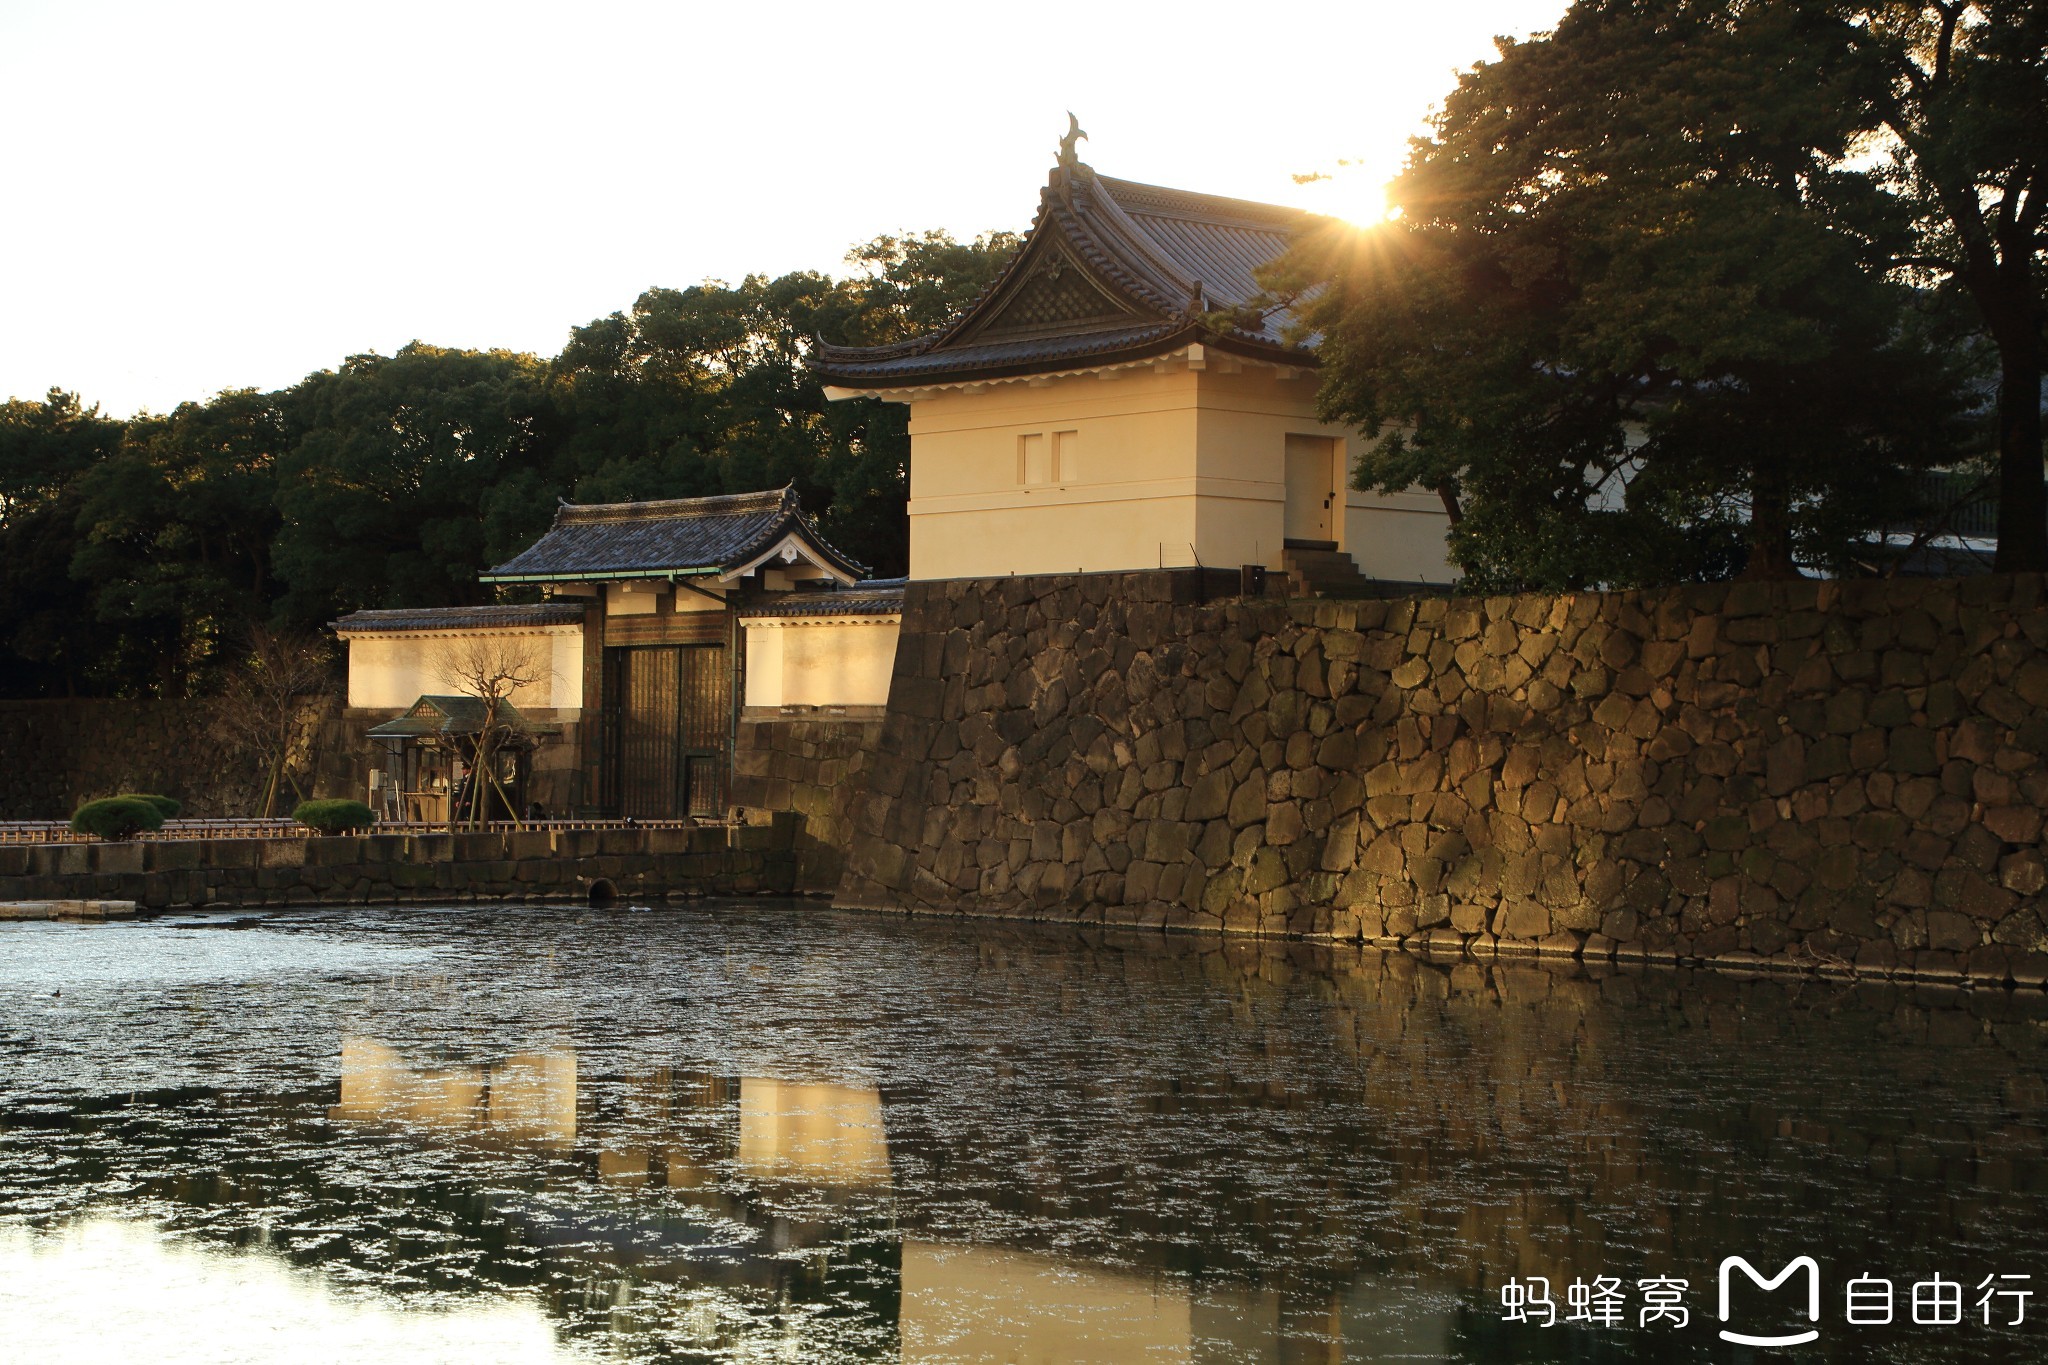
[774, 1132]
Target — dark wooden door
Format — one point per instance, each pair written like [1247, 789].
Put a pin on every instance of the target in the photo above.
[668, 730]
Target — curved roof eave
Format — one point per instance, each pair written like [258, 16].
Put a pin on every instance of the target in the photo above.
[1080, 214]
[881, 377]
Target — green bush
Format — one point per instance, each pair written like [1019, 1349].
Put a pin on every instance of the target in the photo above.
[169, 805]
[116, 817]
[334, 817]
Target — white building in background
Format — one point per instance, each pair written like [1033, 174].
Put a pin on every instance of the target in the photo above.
[1116, 401]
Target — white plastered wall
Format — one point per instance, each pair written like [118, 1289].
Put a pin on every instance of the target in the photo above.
[1247, 414]
[391, 669]
[1174, 464]
[1398, 537]
[1127, 501]
[820, 661]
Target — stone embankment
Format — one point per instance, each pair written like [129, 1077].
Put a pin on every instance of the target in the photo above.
[416, 868]
[75, 910]
[808, 763]
[63, 753]
[1844, 775]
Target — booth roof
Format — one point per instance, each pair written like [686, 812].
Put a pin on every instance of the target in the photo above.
[443, 714]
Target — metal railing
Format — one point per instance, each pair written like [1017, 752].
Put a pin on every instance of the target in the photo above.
[1960, 502]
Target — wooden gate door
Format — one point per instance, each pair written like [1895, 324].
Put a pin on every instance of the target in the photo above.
[1311, 492]
[668, 728]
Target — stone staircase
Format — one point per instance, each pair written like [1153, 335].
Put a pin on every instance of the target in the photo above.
[1325, 573]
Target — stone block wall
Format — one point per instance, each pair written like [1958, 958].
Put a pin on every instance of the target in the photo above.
[1832, 774]
[811, 763]
[59, 754]
[435, 869]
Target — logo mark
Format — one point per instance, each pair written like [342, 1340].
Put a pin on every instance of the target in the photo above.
[1805, 1263]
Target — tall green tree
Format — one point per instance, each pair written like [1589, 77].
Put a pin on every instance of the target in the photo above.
[907, 285]
[49, 645]
[703, 390]
[156, 555]
[176, 525]
[1959, 103]
[387, 490]
[1632, 321]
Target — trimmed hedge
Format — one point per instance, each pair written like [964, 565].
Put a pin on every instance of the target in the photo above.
[334, 817]
[169, 805]
[117, 817]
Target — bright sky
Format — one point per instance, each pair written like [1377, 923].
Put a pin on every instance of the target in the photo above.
[219, 195]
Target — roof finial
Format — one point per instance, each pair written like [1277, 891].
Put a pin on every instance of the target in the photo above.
[1069, 158]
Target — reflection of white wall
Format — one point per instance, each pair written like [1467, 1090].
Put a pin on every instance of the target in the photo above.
[977, 1303]
[390, 668]
[984, 1303]
[825, 661]
[530, 1096]
[533, 1096]
[828, 1135]
[378, 1085]
[1382, 1321]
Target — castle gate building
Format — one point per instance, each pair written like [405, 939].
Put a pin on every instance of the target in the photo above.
[638, 653]
[1117, 399]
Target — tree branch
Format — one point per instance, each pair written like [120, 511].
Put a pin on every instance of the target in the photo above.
[1944, 46]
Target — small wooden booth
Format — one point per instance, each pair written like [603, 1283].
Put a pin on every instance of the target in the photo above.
[430, 774]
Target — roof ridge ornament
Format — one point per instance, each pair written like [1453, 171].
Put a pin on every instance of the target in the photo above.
[1070, 158]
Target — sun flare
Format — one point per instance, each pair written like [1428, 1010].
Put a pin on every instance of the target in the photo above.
[1351, 191]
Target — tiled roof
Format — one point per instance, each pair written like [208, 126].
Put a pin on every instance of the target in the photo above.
[460, 618]
[1217, 241]
[679, 535]
[874, 597]
[454, 714]
[1019, 356]
[1111, 271]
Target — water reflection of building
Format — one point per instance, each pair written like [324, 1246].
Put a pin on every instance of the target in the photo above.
[1282, 1146]
[740, 1148]
[1360, 1145]
[812, 1133]
[1026, 1308]
[729, 1152]
[528, 1097]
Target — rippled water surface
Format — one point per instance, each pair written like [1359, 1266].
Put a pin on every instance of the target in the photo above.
[774, 1132]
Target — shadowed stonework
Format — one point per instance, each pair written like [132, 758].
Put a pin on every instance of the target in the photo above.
[809, 765]
[1829, 773]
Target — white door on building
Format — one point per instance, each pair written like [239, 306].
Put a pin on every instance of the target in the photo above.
[1311, 489]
